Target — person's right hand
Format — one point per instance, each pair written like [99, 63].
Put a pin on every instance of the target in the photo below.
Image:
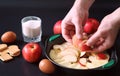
[106, 34]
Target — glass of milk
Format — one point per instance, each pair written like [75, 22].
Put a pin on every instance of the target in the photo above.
[31, 29]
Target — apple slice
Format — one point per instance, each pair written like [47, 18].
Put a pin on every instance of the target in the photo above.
[57, 47]
[82, 54]
[90, 65]
[70, 51]
[84, 47]
[83, 61]
[76, 41]
[92, 59]
[70, 58]
[102, 56]
[74, 51]
[54, 54]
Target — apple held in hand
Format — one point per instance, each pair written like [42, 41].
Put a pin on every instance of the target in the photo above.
[91, 25]
[84, 47]
[76, 41]
[57, 27]
[31, 52]
[81, 43]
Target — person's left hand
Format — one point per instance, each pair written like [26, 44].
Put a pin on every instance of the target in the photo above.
[73, 23]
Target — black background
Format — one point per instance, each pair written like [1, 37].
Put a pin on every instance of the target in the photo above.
[11, 13]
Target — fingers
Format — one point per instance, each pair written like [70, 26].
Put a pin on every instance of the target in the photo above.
[65, 33]
[70, 28]
[106, 45]
[93, 39]
[79, 29]
[100, 42]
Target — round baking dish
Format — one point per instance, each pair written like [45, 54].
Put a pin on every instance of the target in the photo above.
[58, 39]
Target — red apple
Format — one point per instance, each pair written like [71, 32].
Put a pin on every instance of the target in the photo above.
[84, 47]
[31, 52]
[91, 25]
[57, 27]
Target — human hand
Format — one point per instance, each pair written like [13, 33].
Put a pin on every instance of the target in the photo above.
[72, 24]
[105, 36]
[75, 19]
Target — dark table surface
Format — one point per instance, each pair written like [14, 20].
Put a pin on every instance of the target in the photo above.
[11, 14]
